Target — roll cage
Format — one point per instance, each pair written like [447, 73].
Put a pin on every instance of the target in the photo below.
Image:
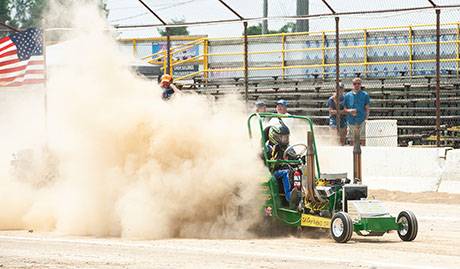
[263, 115]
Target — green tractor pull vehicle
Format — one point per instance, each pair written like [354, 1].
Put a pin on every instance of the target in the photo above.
[330, 201]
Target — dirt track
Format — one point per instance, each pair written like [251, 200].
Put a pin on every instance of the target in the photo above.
[437, 246]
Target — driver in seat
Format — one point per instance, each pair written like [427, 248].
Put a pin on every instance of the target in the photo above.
[277, 143]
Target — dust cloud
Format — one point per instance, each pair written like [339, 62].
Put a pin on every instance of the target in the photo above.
[121, 162]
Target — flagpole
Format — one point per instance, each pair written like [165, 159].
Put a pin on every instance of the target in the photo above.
[45, 84]
[9, 27]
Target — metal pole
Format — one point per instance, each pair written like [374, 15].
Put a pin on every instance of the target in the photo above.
[337, 77]
[283, 55]
[265, 14]
[366, 71]
[438, 77]
[458, 51]
[168, 52]
[303, 17]
[206, 59]
[45, 84]
[323, 55]
[246, 62]
[9, 27]
[411, 51]
[302, 10]
[231, 9]
[151, 11]
[134, 48]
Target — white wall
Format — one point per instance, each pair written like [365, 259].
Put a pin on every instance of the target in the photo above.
[450, 176]
[397, 168]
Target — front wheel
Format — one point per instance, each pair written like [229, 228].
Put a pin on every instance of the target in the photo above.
[341, 227]
[408, 226]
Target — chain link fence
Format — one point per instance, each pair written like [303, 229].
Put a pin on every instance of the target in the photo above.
[411, 73]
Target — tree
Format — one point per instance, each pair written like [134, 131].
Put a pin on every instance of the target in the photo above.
[5, 12]
[254, 29]
[288, 28]
[30, 13]
[257, 29]
[5, 17]
[175, 30]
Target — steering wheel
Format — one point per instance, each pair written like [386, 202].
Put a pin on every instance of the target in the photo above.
[291, 148]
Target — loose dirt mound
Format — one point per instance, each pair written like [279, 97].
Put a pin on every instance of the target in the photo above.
[421, 197]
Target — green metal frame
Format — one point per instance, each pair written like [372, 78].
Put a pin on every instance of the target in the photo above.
[376, 224]
[263, 115]
[271, 188]
[292, 217]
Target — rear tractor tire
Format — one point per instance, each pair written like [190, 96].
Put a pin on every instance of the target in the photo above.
[341, 227]
[409, 226]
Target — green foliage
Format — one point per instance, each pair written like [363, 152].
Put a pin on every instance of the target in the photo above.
[257, 29]
[288, 28]
[28, 13]
[5, 11]
[254, 29]
[5, 15]
[175, 30]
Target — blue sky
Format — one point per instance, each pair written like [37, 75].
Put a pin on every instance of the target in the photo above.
[131, 12]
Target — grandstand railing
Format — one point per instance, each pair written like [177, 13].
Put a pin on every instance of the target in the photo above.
[369, 52]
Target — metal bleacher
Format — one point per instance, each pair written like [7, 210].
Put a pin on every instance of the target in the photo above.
[397, 65]
[409, 101]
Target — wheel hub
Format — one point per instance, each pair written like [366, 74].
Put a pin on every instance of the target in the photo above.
[404, 226]
[337, 227]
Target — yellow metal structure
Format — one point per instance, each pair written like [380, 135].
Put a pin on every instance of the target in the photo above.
[134, 48]
[315, 221]
[203, 59]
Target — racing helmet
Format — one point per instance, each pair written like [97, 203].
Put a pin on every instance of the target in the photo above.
[166, 78]
[279, 135]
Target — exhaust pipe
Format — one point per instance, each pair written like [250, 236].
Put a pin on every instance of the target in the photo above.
[357, 176]
[310, 168]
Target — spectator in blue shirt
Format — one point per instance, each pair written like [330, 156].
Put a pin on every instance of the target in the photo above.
[331, 104]
[356, 104]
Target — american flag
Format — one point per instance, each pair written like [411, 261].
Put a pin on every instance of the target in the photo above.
[21, 58]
